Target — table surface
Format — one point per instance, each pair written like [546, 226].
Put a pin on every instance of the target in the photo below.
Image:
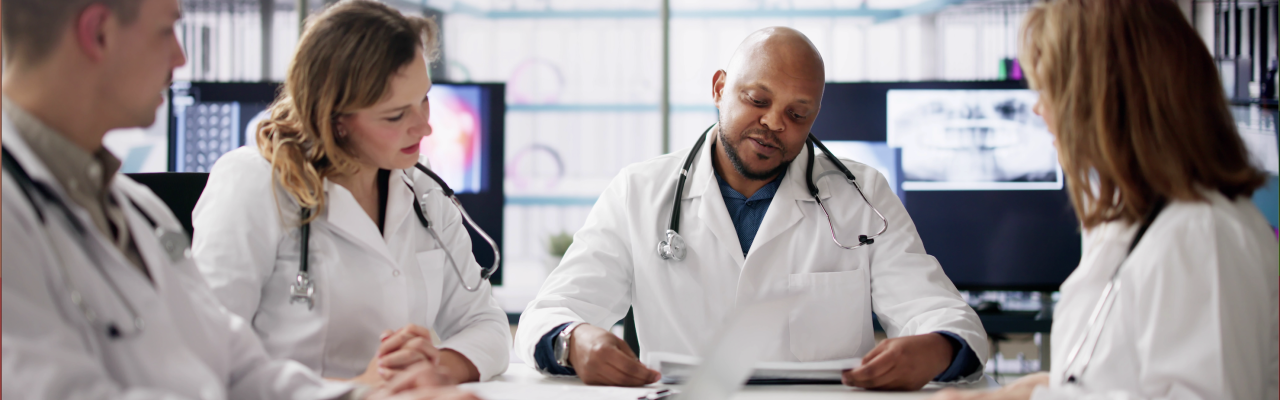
[521, 373]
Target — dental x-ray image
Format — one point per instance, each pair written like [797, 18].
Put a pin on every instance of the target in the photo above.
[972, 140]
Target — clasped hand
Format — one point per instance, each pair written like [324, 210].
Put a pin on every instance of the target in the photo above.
[411, 345]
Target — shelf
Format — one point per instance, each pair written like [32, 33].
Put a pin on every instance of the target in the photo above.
[876, 14]
[550, 200]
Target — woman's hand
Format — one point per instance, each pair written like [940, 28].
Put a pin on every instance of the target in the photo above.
[407, 346]
[1030, 381]
[1020, 389]
[457, 366]
[370, 377]
[420, 382]
[411, 345]
[401, 349]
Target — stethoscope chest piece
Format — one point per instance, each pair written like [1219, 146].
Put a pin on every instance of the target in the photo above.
[176, 244]
[302, 290]
[673, 247]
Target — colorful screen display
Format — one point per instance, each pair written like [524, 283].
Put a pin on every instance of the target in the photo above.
[456, 144]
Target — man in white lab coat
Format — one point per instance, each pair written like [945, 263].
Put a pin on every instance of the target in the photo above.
[101, 298]
[753, 230]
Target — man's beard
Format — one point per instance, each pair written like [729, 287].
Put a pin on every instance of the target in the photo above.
[736, 160]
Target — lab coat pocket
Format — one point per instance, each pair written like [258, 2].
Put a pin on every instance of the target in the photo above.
[829, 323]
[433, 267]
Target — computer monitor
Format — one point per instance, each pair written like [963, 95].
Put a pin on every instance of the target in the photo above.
[209, 119]
[976, 170]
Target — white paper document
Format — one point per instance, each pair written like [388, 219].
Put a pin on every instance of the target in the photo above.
[542, 391]
[675, 368]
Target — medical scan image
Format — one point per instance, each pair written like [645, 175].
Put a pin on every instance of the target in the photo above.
[972, 140]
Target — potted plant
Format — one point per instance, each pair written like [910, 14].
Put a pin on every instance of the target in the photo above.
[557, 245]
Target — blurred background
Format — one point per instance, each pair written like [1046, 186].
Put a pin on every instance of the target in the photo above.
[540, 103]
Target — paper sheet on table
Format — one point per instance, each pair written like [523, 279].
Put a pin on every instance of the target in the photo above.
[542, 391]
[675, 368]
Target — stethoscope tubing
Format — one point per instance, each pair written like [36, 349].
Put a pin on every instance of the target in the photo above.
[673, 247]
[28, 185]
[1098, 318]
[303, 289]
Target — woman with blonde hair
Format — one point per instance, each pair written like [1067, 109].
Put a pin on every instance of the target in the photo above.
[341, 253]
[1175, 296]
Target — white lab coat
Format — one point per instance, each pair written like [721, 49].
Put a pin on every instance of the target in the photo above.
[1195, 316]
[190, 347]
[613, 263]
[247, 245]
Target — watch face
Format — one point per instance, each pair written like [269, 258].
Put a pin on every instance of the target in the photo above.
[561, 345]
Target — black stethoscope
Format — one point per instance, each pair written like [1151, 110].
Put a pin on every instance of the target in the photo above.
[176, 244]
[673, 248]
[303, 289]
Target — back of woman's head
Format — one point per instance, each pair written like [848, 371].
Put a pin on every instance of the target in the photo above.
[344, 61]
[1135, 102]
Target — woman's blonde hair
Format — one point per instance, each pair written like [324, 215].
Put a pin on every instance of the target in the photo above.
[1137, 106]
[345, 60]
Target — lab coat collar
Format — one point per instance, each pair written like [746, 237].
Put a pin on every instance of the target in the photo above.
[399, 201]
[784, 211]
[139, 228]
[348, 218]
[27, 158]
[711, 211]
[793, 184]
[703, 175]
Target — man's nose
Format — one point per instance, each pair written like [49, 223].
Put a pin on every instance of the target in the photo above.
[773, 121]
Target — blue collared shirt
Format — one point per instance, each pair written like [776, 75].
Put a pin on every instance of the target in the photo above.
[747, 215]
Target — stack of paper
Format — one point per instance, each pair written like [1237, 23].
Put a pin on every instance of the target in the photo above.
[675, 368]
[533, 391]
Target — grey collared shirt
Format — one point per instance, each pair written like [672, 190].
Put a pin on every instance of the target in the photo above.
[86, 178]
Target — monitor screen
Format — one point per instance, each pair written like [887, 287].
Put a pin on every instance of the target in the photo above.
[976, 170]
[209, 119]
[456, 144]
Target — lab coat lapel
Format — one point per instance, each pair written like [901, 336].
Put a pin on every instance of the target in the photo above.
[784, 211]
[399, 202]
[137, 289]
[143, 237]
[349, 219]
[711, 211]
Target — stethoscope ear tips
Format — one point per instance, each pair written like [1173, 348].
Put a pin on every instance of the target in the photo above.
[864, 240]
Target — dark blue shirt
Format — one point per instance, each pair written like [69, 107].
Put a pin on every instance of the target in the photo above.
[747, 215]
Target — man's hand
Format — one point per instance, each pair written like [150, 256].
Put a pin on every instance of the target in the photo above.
[420, 382]
[905, 363]
[601, 358]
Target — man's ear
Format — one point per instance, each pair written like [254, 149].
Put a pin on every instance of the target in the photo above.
[90, 31]
[717, 85]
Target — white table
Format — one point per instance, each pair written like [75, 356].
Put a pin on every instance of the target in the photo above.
[521, 373]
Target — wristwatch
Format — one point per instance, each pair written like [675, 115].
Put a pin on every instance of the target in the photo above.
[561, 344]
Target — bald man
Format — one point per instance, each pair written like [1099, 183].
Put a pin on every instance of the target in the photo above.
[752, 229]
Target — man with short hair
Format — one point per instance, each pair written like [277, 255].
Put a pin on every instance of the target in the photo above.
[101, 298]
[752, 227]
